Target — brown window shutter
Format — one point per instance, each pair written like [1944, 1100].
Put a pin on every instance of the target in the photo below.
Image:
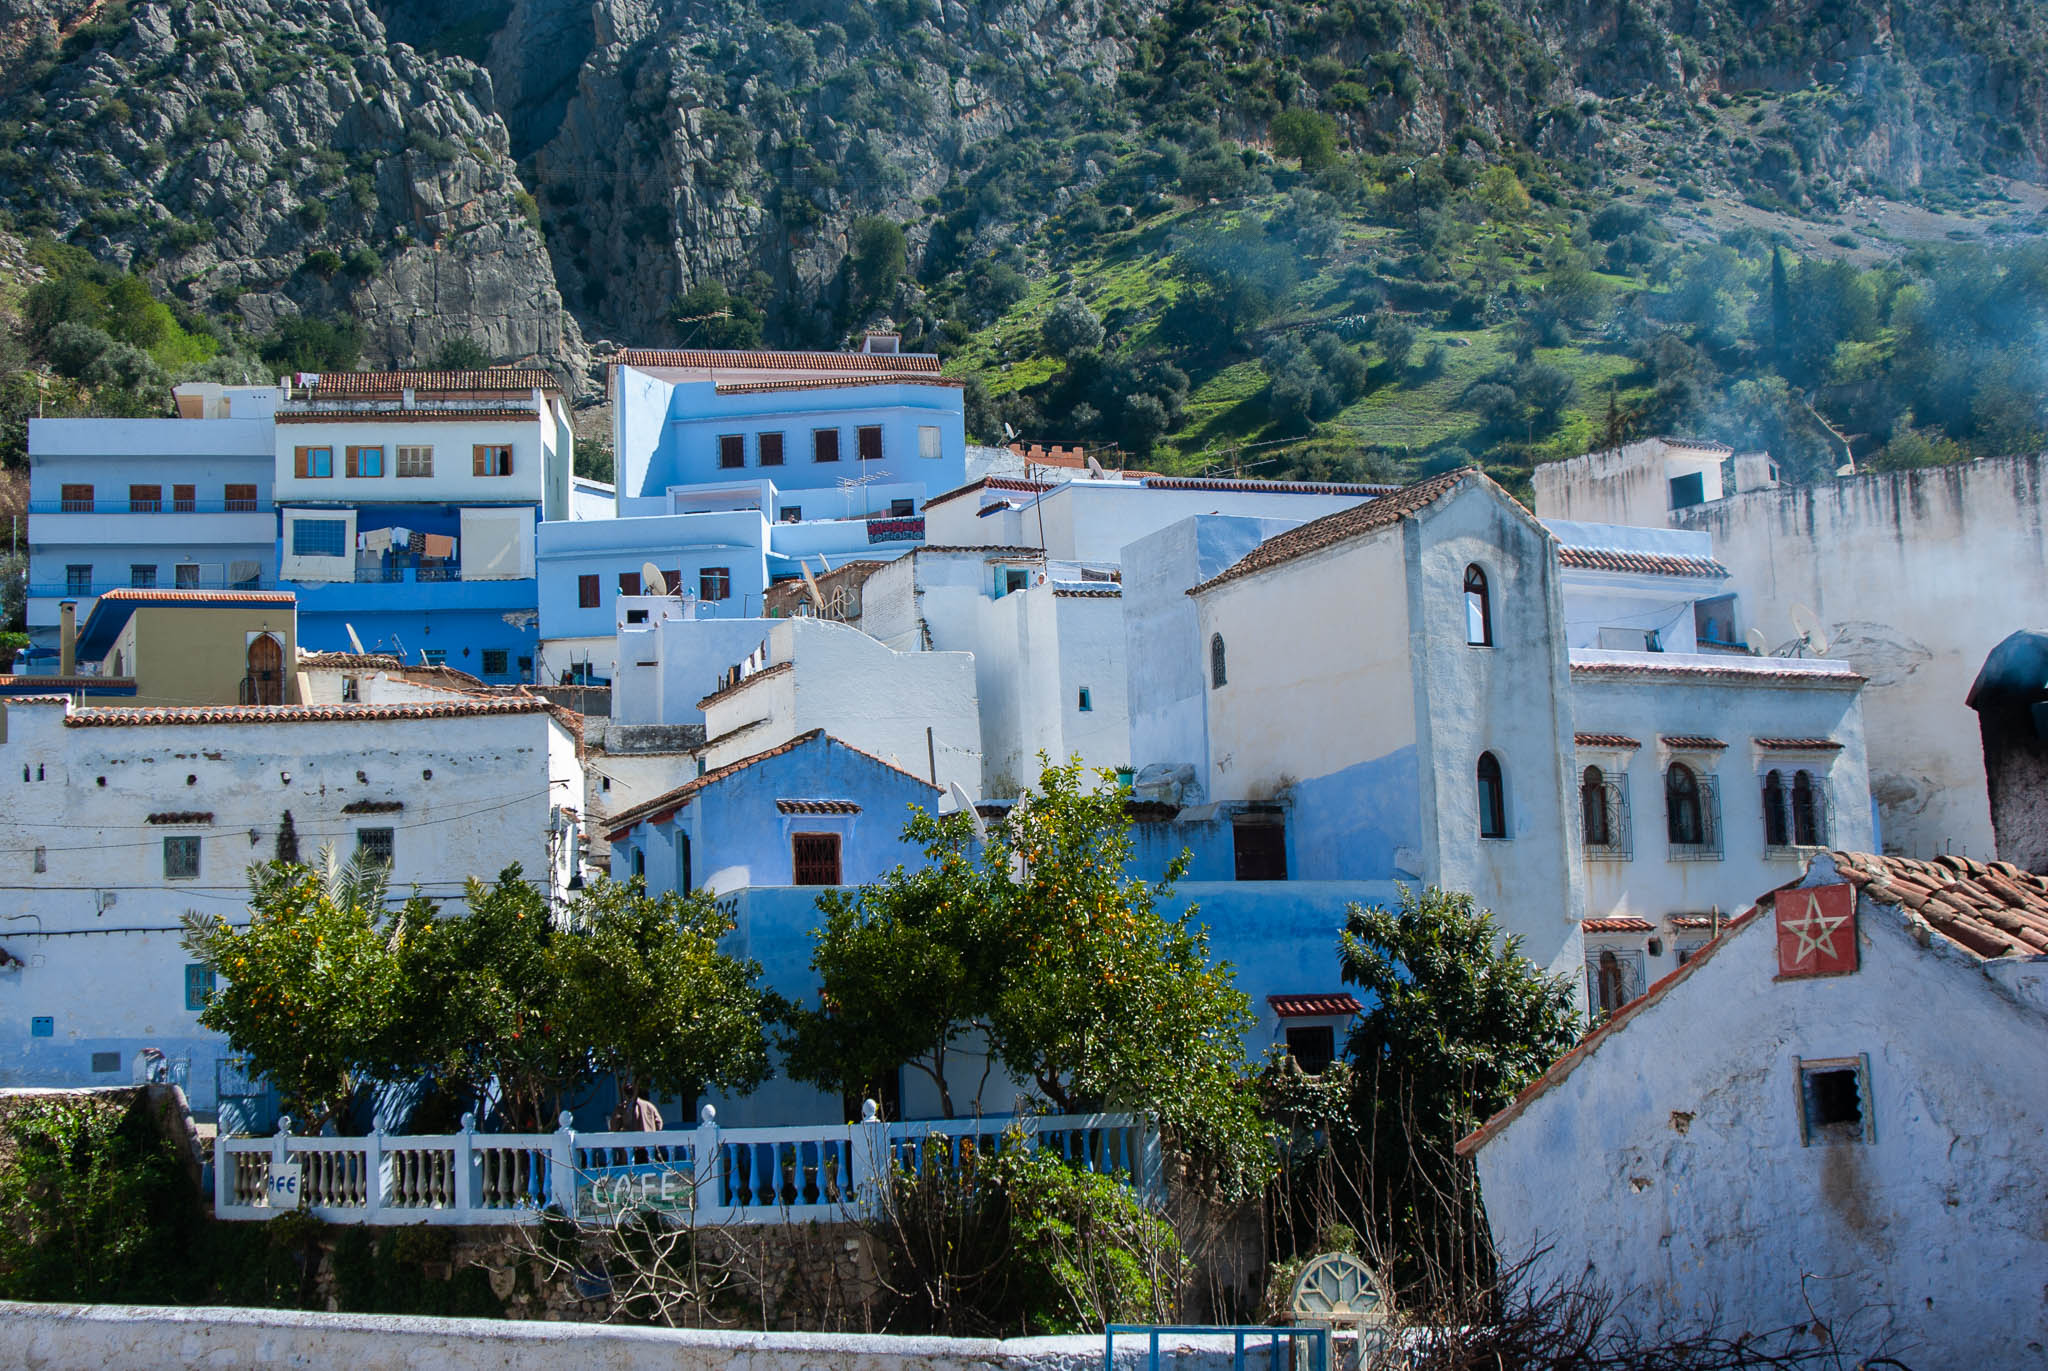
[300, 465]
[348, 467]
[479, 460]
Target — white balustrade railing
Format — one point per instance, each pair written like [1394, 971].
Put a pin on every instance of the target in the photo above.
[705, 1175]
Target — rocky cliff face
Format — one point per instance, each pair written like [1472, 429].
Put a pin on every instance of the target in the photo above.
[470, 167]
[268, 157]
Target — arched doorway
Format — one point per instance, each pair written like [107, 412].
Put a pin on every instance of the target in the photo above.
[264, 685]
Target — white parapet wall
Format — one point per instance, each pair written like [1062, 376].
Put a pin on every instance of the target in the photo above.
[106, 1337]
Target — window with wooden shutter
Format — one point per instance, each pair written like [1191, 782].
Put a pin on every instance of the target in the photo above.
[240, 499]
[184, 499]
[814, 858]
[76, 499]
[825, 445]
[732, 450]
[145, 499]
[416, 461]
[300, 461]
[771, 449]
[870, 440]
[491, 459]
[629, 583]
[350, 462]
[587, 591]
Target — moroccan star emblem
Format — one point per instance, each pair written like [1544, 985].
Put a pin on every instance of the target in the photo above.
[1814, 928]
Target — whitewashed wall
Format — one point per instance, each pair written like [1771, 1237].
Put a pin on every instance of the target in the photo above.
[1668, 1167]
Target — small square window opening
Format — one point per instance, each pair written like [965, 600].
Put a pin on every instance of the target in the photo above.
[496, 660]
[375, 844]
[1313, 1048]
[181, 858]
[1834, 1101]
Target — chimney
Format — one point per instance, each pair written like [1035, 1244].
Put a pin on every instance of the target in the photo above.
[1755, 471]
[67, 638]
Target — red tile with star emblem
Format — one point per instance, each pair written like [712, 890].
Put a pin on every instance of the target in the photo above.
[1816, 931]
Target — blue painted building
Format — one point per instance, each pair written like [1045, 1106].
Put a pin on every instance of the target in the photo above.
[738, 469]
[407, 503]
[180, 503]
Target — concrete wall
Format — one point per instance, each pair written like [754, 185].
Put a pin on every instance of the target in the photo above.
[1913, 577]
[69, 1337]
[1668, 1166]
[1625, 485]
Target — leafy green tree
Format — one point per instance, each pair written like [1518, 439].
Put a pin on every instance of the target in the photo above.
[312, 983]
[1457, 1022]
[907, 968]
[1241, 277]
[1305, 135]
[1071, 327]
[305, 344]
[648, 992]
[877, 256]
[460, 352]
[708, 315]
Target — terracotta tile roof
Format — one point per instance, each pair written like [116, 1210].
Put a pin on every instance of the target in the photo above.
[438, 382]
[779, 361]
[1692, 921]
[378, 416]
[1604, 740]
[1314, 1006]
[817, 807]
[1647, 563]
[779, 669]
[1722, 671]
[348, 661]
[1692, 742]
[1993, 910]
[373, 806]
[1591, 1043]
[1239, 484]
[101, 683]
[1089, 593]
[152, 596]
[1345, 524]
[181, 816]
[661, 806]
[111, 717]
[1696, 444]
[991, 483]
[36, 699]
[1798, 744]
[836, 383]
[985, 549]
[1616, 925]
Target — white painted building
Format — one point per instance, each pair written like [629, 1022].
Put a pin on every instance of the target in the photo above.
[917, 711]
[1704, 773]
[1388, 685]
[119, 821]
[1828, 1119]
[1911, 577]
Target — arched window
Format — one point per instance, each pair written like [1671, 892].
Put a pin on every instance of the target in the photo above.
[1478, 609]
[1594, 827]
[1682, 812]
[1217, 676]
[1776, 832]
[1493, 807]
[1807, 829]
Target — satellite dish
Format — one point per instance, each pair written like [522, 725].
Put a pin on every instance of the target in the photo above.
[1095, 469]
[353, 641]
[651, 579]
[1813, 636]
[1757, 642]
[817, 595]
[960, 798]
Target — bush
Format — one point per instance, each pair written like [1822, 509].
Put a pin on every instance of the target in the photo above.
[460, 352]
[306, 344]
[1305, 135]
[1071, 327]
[877, 256]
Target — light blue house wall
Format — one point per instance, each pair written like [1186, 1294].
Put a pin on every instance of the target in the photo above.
[694, 415]
[111, 537]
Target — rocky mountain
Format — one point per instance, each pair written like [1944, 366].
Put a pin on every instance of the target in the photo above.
[533, 172]
[266, 158]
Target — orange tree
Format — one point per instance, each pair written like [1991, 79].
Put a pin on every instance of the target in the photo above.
[312, 983]
[1044, 944]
